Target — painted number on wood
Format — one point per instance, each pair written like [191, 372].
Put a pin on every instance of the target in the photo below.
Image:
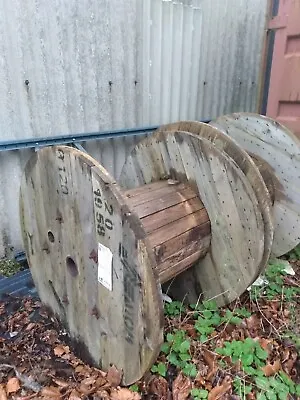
[131, 282]
[104, 211]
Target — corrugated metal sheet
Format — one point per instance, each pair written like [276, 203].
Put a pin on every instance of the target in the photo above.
[73, 66]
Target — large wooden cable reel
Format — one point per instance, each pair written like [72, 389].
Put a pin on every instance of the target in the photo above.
[276, 150]
[98, 252]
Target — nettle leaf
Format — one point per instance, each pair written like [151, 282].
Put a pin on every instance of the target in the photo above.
[271, 395]
[199, 393]
[262, 383]
[184, 356]
[247, 359]
[190, 370]
[162, 369]
[210, 305]
[170, 337]
[249, 370]
[185, 346]
[173, 359]
[207, 314]
[203, 338]
[165, 348]
[261, 396]
[236, 320]
[261, 353]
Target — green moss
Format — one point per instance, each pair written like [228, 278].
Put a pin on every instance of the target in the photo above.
[9, 267]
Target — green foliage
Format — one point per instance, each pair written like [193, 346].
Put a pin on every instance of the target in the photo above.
[134, 388]
[209, 317]
[249, 352]
[276, 387]
[294, 254]
[177, 351]
[275, 274]
[198, 394]
[174, 309]
[9, 267]
[160, 369]
[241, 388]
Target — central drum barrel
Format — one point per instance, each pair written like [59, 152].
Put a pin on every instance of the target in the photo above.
[176, 223]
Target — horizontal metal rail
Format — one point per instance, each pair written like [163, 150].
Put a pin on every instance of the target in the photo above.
[76, 138]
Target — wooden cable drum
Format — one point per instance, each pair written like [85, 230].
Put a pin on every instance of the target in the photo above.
[276, 151]
[190, 209]
[176, 223]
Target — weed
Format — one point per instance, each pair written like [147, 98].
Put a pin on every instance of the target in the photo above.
[199, 394]
[134, 388]
[174, 309]
[294, 254]
[275, 287]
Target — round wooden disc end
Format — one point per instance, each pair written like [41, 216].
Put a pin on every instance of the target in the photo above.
[237, 225]
[279, 148]
[90, 260]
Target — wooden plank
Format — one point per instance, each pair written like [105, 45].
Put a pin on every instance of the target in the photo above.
[144, 189]
[172, 199]
[279, 149]
[161, 218]
[179, 242]
[161, 193]
[67, 193]
[176, 228]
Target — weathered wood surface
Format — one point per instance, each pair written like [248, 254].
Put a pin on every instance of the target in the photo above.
[237, 221]
[280, 149]
[69, 204]
[227, 145]
[176, 223]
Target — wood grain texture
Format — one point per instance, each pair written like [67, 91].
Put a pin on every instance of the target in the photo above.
[280, 149]
[69, 204]
[237, 225]
[239, 156]
[178, 231]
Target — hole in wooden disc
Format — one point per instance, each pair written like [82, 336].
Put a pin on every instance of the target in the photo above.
[72, 267]
[51, 237]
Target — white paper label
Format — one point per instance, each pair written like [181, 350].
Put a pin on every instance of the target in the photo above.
[105, 266]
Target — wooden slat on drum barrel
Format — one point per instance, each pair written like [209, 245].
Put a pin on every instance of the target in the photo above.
[176, 222]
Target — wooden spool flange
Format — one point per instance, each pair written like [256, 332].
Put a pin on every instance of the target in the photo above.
[241, 225]
[276, 150]
[247, 165]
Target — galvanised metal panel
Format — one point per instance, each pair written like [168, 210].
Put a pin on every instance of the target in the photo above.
[82, 66]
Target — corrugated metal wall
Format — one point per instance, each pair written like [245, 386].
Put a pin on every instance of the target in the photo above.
[83, 66]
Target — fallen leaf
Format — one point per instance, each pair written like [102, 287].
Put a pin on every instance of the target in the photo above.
[181, 387]
[61, 383]
[30, 326]
[13, 385]
[114, 376]
[159, 387]
[2, 393]
[74, 395]
[51, 392]
[271, 369]
[103, 395]
[218, 391]
[124, 394]
[60, 350]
